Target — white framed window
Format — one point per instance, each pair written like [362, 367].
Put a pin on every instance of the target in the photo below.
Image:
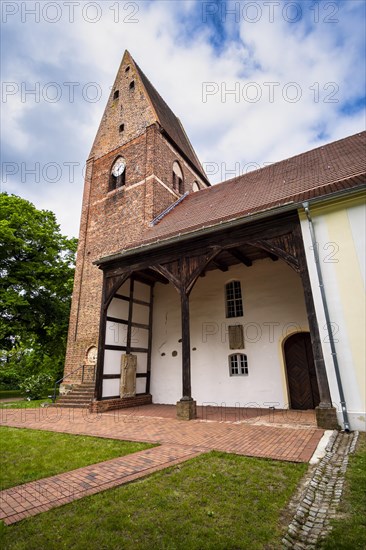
[238, 364]
[234, 302]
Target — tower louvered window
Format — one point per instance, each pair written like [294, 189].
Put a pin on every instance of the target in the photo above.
[178, 183]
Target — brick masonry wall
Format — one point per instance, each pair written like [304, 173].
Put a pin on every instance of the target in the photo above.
[112, 220]
[165, 155]
[125, 403]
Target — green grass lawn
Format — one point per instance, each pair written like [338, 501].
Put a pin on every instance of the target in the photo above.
[27, 455]
[7, 394]
[349, 529]
[215, 501]
[25, 404]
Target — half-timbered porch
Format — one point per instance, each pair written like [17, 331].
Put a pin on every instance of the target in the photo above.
[179, 266]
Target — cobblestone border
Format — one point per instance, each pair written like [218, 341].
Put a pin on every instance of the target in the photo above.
[321, 496]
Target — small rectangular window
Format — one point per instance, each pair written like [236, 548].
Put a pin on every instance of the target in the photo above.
[234, 302]
[116, 94]
[238, 364]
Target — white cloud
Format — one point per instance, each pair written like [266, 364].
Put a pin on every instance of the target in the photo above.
[174, 47]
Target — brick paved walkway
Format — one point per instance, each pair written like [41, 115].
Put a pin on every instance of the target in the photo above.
[179, 441]
[32, 498]
[294, 443]
[230, 414]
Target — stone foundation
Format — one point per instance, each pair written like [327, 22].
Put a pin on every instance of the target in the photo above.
[122, 403]
[186, 409]
[327, 418]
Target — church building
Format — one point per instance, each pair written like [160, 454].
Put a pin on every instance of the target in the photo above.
[248, 293]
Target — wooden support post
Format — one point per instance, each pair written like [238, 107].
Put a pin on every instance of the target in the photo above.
[324, 392]
[186, 347]
[186, 407]
[321, 374]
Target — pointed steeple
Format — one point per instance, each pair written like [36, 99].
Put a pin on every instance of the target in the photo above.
[133, 105]
[128, 111]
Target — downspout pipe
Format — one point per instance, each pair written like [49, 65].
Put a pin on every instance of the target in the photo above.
[327, 318]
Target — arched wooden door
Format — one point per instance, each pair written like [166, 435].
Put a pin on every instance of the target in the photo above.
[301, 376]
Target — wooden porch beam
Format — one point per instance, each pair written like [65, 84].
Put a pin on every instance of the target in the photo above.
[151, 277]
[240, 256]
[220, 265]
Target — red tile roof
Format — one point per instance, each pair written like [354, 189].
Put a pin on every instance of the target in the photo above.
[338, 166]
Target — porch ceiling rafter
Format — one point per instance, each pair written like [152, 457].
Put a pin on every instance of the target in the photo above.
[240, 256]
[184, 272]
[222, 266]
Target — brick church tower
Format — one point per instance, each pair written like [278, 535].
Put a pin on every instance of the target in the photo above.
[141, 162]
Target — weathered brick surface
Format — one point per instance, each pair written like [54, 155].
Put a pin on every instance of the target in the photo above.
[111, 220]
[123, 403]
[132, 108]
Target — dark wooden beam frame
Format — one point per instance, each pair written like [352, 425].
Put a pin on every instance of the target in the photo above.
[240, 256]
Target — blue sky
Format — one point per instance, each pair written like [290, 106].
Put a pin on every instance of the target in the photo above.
[253, 82]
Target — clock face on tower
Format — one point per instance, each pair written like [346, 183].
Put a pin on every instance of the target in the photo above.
[118, 167]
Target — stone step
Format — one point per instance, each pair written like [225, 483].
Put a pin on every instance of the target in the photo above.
[70, 405]
[85, 385]
[78, 392]
[74, 400]
[82, 387]
[80, 396]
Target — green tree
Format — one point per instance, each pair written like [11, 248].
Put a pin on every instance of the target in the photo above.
[36, 269]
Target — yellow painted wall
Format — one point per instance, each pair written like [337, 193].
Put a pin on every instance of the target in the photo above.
[341, 264]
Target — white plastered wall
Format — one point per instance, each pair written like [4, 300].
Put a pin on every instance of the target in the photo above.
[274, 307]
[116, 335]
[340, 234]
